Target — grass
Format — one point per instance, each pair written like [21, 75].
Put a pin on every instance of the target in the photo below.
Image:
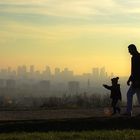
[84, 135]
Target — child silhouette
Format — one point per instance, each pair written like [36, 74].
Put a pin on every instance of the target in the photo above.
[115, 94]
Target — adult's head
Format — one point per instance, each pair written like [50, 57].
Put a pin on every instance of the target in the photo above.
[132, 49]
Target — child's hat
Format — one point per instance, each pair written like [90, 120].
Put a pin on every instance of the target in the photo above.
[115, 79]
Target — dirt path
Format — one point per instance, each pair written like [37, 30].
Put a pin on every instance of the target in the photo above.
[56, 114]
[49, 114]
[64, 120]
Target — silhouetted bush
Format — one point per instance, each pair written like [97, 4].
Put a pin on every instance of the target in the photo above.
[77, 101]
[67, 101]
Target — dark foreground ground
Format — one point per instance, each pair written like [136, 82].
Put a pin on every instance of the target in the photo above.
[65, 120]
[84, 124]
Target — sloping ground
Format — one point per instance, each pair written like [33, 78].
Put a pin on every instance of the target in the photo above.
[49, 114]
[57, 113]
[78, 124]
[65, 120]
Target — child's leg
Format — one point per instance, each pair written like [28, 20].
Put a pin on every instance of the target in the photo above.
[117, 106]
[114, 106]
[118, 109]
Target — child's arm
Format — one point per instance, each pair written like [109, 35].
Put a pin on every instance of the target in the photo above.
[107, 87]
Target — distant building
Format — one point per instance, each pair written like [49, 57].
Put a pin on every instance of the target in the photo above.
[88, 84]
[48, 70]
[32, 69]
[44, 85]
[73, 87]
[46, 73]
[10, 83]
[2, 83]
[57, 71]
[66, 74]
[102, 72]
[22, 71]
[95, 72]
[3, 73]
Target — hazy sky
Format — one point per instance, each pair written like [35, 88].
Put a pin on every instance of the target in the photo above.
[78, 34]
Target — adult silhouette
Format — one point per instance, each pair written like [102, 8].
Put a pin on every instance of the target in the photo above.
[134, 79]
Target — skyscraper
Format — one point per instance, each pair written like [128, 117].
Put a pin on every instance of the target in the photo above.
[95, 72]
[32, 69]
[102, 72]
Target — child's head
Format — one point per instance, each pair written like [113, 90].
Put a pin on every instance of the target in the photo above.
[114, 80]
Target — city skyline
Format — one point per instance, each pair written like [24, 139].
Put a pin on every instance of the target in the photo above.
[75, 34]
[30, 82]
[98, 71]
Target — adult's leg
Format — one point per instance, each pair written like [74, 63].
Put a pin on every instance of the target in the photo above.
[130, 93]
[138, 94]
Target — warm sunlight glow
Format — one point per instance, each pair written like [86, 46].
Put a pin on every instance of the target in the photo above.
[77, 34]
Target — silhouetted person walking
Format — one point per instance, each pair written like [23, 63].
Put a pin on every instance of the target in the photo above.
[134, 79]
[115, 94]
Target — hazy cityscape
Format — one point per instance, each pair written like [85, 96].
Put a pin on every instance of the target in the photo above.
[30, 82]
